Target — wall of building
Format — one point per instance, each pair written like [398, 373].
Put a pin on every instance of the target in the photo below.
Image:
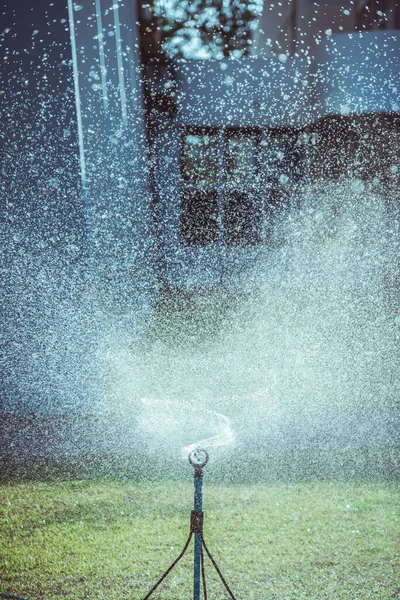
[358, 73]
[249, 92]
[352, 75]
[297, 27]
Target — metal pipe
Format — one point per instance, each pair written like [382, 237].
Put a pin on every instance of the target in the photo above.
[198, 458]
[198, 507]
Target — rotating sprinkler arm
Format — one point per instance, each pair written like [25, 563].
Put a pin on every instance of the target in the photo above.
[198, 458]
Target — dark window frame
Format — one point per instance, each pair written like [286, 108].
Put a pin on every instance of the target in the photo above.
[198, 130]
[248, 230]
[243, 220]
[190, 233]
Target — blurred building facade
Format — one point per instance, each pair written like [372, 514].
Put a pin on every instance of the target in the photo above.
[226, 142]
[232, 139]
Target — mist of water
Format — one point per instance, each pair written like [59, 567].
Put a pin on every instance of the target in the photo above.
[308, 355]
[301, 351]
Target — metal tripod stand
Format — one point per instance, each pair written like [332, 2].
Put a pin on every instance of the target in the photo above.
[198, 459]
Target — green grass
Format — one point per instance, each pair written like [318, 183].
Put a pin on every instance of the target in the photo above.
[112, 539]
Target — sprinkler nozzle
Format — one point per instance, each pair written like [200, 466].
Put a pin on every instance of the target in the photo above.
[198, 458]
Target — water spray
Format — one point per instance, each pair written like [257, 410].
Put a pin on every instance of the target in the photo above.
[198, 458]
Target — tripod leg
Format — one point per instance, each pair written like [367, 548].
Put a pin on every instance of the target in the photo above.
[169, 569]
[203, 575]
[218, 571]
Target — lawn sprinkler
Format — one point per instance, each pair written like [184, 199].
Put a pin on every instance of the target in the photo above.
[198, 458]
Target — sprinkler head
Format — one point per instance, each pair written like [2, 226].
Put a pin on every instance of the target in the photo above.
[198, 458]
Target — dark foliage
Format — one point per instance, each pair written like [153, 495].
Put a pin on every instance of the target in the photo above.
[212, 28]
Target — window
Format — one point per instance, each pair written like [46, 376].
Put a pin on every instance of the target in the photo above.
[199, 216]
[200, 158]
[199, 202]
[241, 157]
[241, 199]
[234, 183]
[281, 168]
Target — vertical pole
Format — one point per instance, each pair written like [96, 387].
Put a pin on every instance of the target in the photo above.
[222, 150]
[75, 71]
[198, 506]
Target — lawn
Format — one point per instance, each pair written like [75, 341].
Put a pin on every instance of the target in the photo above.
[112, 539]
